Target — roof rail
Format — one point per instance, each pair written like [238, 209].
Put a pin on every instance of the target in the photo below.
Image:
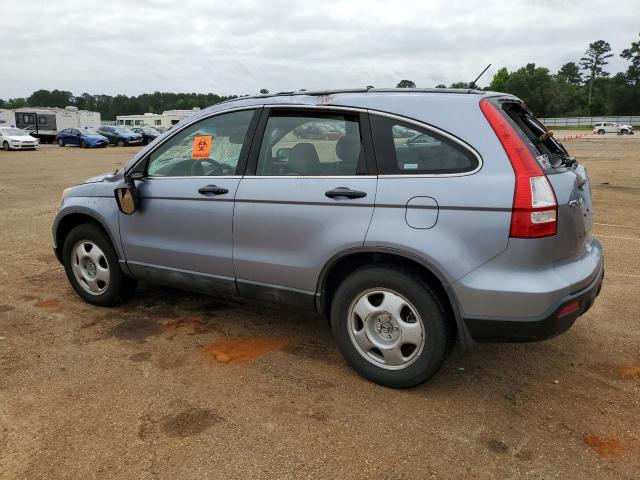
[317, 93]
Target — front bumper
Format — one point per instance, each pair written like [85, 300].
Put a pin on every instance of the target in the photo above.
[549, 325]
[23, 146]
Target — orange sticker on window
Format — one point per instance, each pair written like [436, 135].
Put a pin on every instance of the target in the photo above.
[202, 146]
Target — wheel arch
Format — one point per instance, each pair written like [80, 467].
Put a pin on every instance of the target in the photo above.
[344, 263]
[66, 223]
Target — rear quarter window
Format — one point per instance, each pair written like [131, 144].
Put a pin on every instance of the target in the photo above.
[405, 149]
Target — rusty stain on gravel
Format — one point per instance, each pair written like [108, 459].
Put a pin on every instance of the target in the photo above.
[197, 325]
[605, 447]
[241, 349]
[631, 372]
[48, 303]
[190, 421]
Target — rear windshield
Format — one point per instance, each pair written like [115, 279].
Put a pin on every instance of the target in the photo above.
[533, 129]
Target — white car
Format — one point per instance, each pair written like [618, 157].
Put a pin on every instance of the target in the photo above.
[612, 127]
[12, 138]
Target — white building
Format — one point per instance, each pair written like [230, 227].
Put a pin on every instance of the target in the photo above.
[165, 119]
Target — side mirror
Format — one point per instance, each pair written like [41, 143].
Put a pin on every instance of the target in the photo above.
[126, 197]
[283, 153]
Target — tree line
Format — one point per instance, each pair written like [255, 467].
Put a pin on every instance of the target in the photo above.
[111, 106]
[580, 88]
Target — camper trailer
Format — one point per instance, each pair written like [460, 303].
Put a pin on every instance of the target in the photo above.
[7, 118]
[45, 123]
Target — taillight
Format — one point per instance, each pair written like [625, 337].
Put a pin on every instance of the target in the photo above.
[535, 208]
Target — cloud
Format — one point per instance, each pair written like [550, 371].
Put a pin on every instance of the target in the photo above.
[242, 46]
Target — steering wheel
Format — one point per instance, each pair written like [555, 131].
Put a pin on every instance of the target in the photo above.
[197, 168]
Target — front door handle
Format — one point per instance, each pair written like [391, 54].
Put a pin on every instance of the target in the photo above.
[213, 189]
[345, 192]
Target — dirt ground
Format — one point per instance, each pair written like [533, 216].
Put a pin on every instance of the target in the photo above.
[174, 385]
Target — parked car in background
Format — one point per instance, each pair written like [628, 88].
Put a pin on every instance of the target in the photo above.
[12, 138]
[612, 127]
[316, 131]
[85, 138]
[120, 136]
[149, 134]
[481, 233]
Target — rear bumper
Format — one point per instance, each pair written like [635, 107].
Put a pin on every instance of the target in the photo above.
[549, 325]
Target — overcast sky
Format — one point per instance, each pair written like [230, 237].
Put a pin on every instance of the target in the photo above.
[241, 46]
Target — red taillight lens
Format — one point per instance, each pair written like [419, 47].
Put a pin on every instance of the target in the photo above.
[535, 209]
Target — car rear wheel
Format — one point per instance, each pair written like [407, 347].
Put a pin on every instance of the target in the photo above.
[5, 146]
[60, 142]
[600, 132]
[92, 267]
[390, 326]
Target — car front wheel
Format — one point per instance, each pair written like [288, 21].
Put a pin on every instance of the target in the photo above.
[5, 146]
[390, 325]
[92, 267]
[60, 142]
[600, 132]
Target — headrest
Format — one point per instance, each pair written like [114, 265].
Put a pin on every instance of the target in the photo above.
[303, 159]
[348, 149]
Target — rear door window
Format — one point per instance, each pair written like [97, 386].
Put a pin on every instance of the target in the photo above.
[406, 149]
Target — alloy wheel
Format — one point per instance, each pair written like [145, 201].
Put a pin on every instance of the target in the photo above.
[386, 328]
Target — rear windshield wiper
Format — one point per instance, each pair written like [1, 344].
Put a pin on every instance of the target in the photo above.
[562, 159]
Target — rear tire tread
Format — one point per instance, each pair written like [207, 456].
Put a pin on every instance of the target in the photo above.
[435, 316]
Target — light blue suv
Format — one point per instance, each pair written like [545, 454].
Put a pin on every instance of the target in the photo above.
[478, 231]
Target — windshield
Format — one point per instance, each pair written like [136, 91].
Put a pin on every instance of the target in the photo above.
[15, 132]
[123, 130]
[88, 131]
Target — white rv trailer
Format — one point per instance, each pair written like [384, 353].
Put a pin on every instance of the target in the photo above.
[7, 118]
[46, 122]
[166, 119]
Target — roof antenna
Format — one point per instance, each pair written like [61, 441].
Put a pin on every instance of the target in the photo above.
[472, 85]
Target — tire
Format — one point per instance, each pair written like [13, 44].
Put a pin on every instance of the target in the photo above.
[109, 288]
[5, 146]
[120, 143]
[83, 144]
[60, 142]
[600, 132]
[422, 321]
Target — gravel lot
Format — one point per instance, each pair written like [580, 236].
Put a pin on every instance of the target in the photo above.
[174, 385]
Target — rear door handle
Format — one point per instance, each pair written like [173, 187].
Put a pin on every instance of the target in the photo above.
[214, 189]
[345, 192]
